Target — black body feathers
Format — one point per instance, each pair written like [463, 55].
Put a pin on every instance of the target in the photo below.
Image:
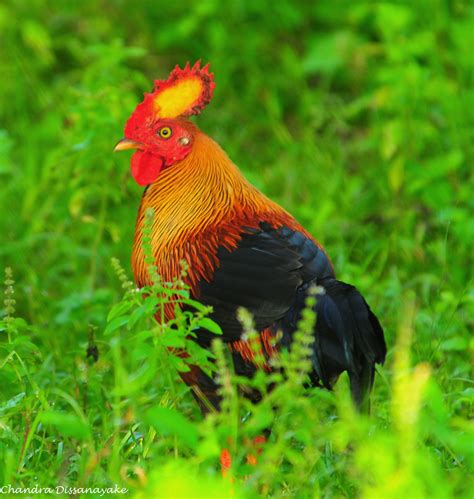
[269, 273]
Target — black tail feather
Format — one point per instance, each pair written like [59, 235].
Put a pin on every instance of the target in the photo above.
[348, 337]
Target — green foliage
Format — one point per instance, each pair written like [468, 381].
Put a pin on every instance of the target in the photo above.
[358, 118]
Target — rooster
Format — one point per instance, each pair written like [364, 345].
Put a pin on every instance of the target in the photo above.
[242, 249]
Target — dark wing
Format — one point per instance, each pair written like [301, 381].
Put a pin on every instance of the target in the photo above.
[261, 274]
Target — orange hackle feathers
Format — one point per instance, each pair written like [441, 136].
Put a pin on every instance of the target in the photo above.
[184, 93]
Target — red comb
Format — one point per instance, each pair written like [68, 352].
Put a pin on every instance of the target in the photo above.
[188, 73]
[186, 92]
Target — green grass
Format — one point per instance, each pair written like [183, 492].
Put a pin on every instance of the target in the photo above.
[358, 118]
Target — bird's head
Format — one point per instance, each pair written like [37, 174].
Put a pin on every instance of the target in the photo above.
[158, 130]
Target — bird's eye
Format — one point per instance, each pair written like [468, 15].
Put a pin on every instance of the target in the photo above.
[165, 132]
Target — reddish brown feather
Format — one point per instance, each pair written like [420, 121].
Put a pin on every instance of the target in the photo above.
[264, 348]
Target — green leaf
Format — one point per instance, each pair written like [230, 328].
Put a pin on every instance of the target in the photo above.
[458, 343]
[181, 292]
[119, 309]
[142, 335]
[116, 324]
[170, 422]
[147, 309]
[23, 342]
[13, 402]
[396, 174]
[135, 317]
[68, 425]
[327, 53]
[210, 325]
[263, 418]
[198, 305]
[179, 364]
[172, 340]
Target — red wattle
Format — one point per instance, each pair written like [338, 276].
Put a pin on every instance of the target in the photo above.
[145, 167]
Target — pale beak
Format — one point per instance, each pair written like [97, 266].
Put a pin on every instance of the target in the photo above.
[124, 144]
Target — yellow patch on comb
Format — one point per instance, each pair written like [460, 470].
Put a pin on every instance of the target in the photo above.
[179, 98]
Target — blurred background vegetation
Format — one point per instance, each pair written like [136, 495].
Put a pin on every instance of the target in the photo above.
[358, 117]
